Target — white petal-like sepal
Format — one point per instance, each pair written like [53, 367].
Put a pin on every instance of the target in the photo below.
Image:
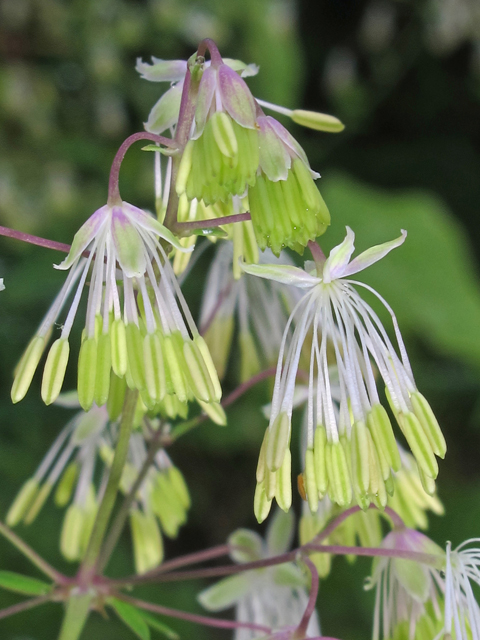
[339, 258]
[372, 255]
[286, 274]
[84, 236]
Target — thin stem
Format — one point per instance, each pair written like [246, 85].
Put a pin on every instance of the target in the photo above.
[373, 552]
[334, 524]
[398, 523]
[108, 500]
[23, 606]
[113, 190]
[215, 56]
[32, 555]
[28, 237]
[184, 227]
[301, 630]
[191, 617]
[156, 443]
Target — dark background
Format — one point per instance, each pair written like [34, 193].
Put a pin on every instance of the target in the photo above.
[404, 77]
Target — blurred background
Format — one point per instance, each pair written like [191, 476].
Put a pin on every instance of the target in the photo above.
[404, 77]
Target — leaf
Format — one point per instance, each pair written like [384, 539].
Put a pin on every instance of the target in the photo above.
[132, 617]
[23, 584]
[156, 624]
[166, 151]
[430, 282]
[226, 592]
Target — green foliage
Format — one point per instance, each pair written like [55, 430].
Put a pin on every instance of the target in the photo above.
[132, 617]
[25, 585]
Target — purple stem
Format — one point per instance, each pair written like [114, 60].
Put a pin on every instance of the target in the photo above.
[191, 617]
[301, 630]
[183, 227]
[23, 606]
[396, 519]
[373, 552]
[245, 386]
[215, 56]
[113, 191]
[27, 237]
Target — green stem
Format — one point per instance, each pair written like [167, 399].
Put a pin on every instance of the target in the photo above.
[109, 497]
[32, 555]
[76, 615]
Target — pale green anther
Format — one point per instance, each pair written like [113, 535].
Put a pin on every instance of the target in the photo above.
[26, 368]
[22, 502]
[207, 358]
[174, 368]
[278, 436]
[104, 365]
[87, 366]
[309, 527]
[389, 485]
[270, 483]
[116, 396]
[428, 484]
[224, 134]
[119, 347]
[339, 481]
[219, 338]
[262, 465]
[64, 489]
[360, 458]
[317, 121]
[319, 453]
[427, 419]
[54, 371]
[249, 361]
[311, 481]
[382, 433]
[283, 492]
[179, 486]
[129, 379]
[147, 541]
[72, 533]
[184, 168]
[38, 503]
[418, 443]
[135, 355]
[89, 515]
[154, 367]
[377, 488]
[215, 412]
[261, 504]
[197, 372]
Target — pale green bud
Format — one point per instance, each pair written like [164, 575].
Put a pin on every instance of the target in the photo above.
[430, 425]
[26, 368]
[317, 121]
[147, 541]
[22, 502]
[87, 365]
[215, 412]
[71, 533]
[38, 503]
[277, 444]
[54, 371]
[418, 443]
[261, 504]
[64, 489]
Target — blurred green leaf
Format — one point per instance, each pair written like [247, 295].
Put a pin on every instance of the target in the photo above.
[156, 624]
[132, 617]
[23, 584]
[431, 281]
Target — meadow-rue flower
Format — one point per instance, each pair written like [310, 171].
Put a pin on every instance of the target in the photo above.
[462, 611]
[274, 597]
[134, 323]
[350, 451]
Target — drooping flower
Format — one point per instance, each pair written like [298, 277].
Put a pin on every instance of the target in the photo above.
[77, 467]
[138, 324]
[351, 451]
[462, 611]
[275, 597]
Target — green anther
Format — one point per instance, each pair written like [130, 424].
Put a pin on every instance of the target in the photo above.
[154, 367]
[428, 484]
[310, 481]
[72, 532]
[54, 371]
[118, 347]
[389, 485]
[317, 121]
[360, 458]
[283, 492]
[26, 368]
[339, 481]
[104, 365]
[377, 488]
[262, 465]
[147, 541]
[87, 366]
[22, 502]
[309, 527]
[64, 489]
[215, 412]
[179, 486]
[277, 443]
[207, 358]
[427, 419]
[116, 396]
[249, 361]
[261, 504]
[381, 430]
[197, 373]
[89, 514]
[135, 355]
[418, 443]
[38, 503]
[310, 193]
[270, 483]
[184, 168]
[319, 453]
[224, 134]
[174, 367]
